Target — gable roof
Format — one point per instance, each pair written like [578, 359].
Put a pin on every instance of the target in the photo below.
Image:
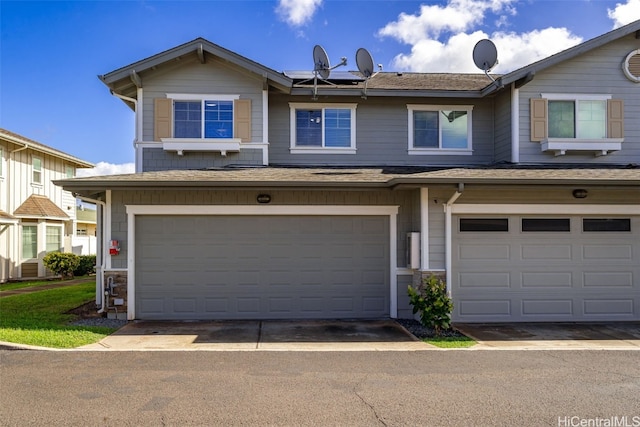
[520, 75]
[14, 138]
[37, 206]
[126, 79]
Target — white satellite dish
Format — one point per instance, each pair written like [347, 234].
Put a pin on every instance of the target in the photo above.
[485, 56]
[364, 60]
[321, 62]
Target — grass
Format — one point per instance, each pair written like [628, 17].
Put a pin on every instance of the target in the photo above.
[19, 285]
[451, 342]
[39, 318]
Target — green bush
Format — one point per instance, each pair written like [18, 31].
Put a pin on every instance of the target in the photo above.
[61, 263]
[430, 299]
[86, 266]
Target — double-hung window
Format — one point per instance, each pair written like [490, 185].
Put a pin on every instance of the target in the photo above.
[323, 128]
[565, 122]
[54, 238]
[440, 129]
[36, 170]
[29, 242]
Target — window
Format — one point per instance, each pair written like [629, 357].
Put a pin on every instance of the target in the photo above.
[439, 129]
[583, 122]
[54, 239]
[323, 128]
[69, 171]
[484, 224]
[578, 119]
[29, 241]
[36, 166]
[209, 117]
[606, 224]
[545, 224]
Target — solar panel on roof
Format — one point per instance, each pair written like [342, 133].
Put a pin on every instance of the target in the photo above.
[335, 75]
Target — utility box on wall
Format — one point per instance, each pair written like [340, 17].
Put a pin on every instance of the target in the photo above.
[413, 250]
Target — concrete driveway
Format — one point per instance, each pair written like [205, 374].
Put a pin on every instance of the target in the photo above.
[554, 336]
[299, 335]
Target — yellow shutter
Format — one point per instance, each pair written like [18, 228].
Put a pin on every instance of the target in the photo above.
[162, 109]
[242, 119]
[538, 119]
[615, 118]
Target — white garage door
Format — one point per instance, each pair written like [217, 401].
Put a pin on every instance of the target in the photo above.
[271, 267]
[555, 268]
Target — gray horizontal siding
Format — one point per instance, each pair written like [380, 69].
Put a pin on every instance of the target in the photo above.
[503, 127]
[596, 72]
[213, 77]
[381, 134]
[156, 159]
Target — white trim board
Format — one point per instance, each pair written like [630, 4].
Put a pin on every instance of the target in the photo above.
[573, 209]
[261, 210]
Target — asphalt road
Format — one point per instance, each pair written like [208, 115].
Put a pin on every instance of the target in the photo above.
[430, 388]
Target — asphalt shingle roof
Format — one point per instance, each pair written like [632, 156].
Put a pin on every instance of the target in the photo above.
[37, 206]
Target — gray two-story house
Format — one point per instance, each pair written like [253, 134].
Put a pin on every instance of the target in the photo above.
[261, 194]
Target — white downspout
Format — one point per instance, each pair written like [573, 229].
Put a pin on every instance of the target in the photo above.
[448, 235]
[103, 256]
[424, 229]
[515, 124]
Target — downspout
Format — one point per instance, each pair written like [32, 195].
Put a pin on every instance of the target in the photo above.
[103, 235]
[448, 234]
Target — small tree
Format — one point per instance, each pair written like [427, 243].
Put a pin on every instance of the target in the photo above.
[430, 299]
[61, 263]
[86, 265]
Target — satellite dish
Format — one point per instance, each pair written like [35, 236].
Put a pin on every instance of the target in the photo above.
[321, 62]
[485, 55]
[364, 62]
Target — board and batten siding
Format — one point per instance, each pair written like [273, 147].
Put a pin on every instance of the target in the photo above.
[381, 133]
[403, 199]
[595, 72]
[212, 77]
[502, 126]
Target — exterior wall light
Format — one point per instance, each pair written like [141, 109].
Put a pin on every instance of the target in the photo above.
[580, 193]
[263, 198]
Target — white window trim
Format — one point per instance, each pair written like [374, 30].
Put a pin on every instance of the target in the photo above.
[33, 181]
[21, 248]
[601, 147]
[59, 227]
[186, 97]
[294, 149]
[413, 151]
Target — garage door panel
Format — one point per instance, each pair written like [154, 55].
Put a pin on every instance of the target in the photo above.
[294, 267]
[572, 275]
[559, 279]
[546, 252]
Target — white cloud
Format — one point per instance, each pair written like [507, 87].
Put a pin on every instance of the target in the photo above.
[104, 168]
[625, 13]
[297, 12]
[434, 51]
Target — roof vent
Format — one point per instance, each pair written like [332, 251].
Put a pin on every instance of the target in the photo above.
[631, 66]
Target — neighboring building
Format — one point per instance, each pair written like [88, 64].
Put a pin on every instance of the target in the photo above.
[83, 241]
[261, 195]
[35, 214]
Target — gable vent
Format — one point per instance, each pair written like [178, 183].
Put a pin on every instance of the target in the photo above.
[631, 66]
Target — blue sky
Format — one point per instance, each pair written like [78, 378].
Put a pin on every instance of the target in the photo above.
[52, 51]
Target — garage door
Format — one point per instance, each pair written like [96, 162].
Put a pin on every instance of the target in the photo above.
[270, 267]
[527, 268]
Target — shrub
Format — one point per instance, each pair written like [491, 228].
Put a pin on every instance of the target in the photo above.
[430, 299]
[86, 266]
[61, 263]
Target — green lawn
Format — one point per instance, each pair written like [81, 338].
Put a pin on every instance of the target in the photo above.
[39, 318]
[19, 285]
[451, 342]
